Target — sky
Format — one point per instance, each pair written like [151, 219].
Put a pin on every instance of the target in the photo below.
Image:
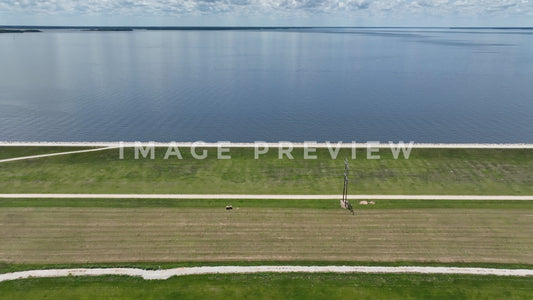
[267, 12]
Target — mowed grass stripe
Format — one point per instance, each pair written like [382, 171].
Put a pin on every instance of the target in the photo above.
[427, 171]
[265, 203]
[275, 286]
[81, 235]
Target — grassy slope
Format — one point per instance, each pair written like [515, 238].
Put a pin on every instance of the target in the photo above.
[275, 286]
[428, 171]
[20, 151]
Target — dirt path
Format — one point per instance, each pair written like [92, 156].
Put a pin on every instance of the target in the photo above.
[167, 273]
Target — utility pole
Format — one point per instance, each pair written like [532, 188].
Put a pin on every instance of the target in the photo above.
[344, 202]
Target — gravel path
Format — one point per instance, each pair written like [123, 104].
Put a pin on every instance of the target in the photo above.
[167, 273]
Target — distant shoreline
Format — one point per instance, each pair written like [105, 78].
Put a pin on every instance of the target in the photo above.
[131, 28]
[18, 30]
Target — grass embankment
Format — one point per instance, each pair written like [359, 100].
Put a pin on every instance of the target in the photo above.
[427, 171]
[148, 233]
[275, 286]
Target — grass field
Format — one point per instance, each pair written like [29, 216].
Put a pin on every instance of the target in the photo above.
[275, 286]
[74, 234]
[427, 171]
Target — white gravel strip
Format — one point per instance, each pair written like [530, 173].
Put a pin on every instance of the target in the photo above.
[333, 144]
[167, 273]
[53, 154]
[265, 197]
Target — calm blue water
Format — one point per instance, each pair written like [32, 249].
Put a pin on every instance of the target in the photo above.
[426, 85]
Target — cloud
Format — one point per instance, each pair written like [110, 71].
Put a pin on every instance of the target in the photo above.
[339, 8]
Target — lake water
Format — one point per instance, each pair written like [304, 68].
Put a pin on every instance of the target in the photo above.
[425, 85]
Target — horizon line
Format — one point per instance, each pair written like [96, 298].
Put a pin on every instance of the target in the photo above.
[212, 27]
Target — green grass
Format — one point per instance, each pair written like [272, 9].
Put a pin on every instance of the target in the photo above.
[274, 286]
[20, 151]
[261, 203]
[428, 171]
